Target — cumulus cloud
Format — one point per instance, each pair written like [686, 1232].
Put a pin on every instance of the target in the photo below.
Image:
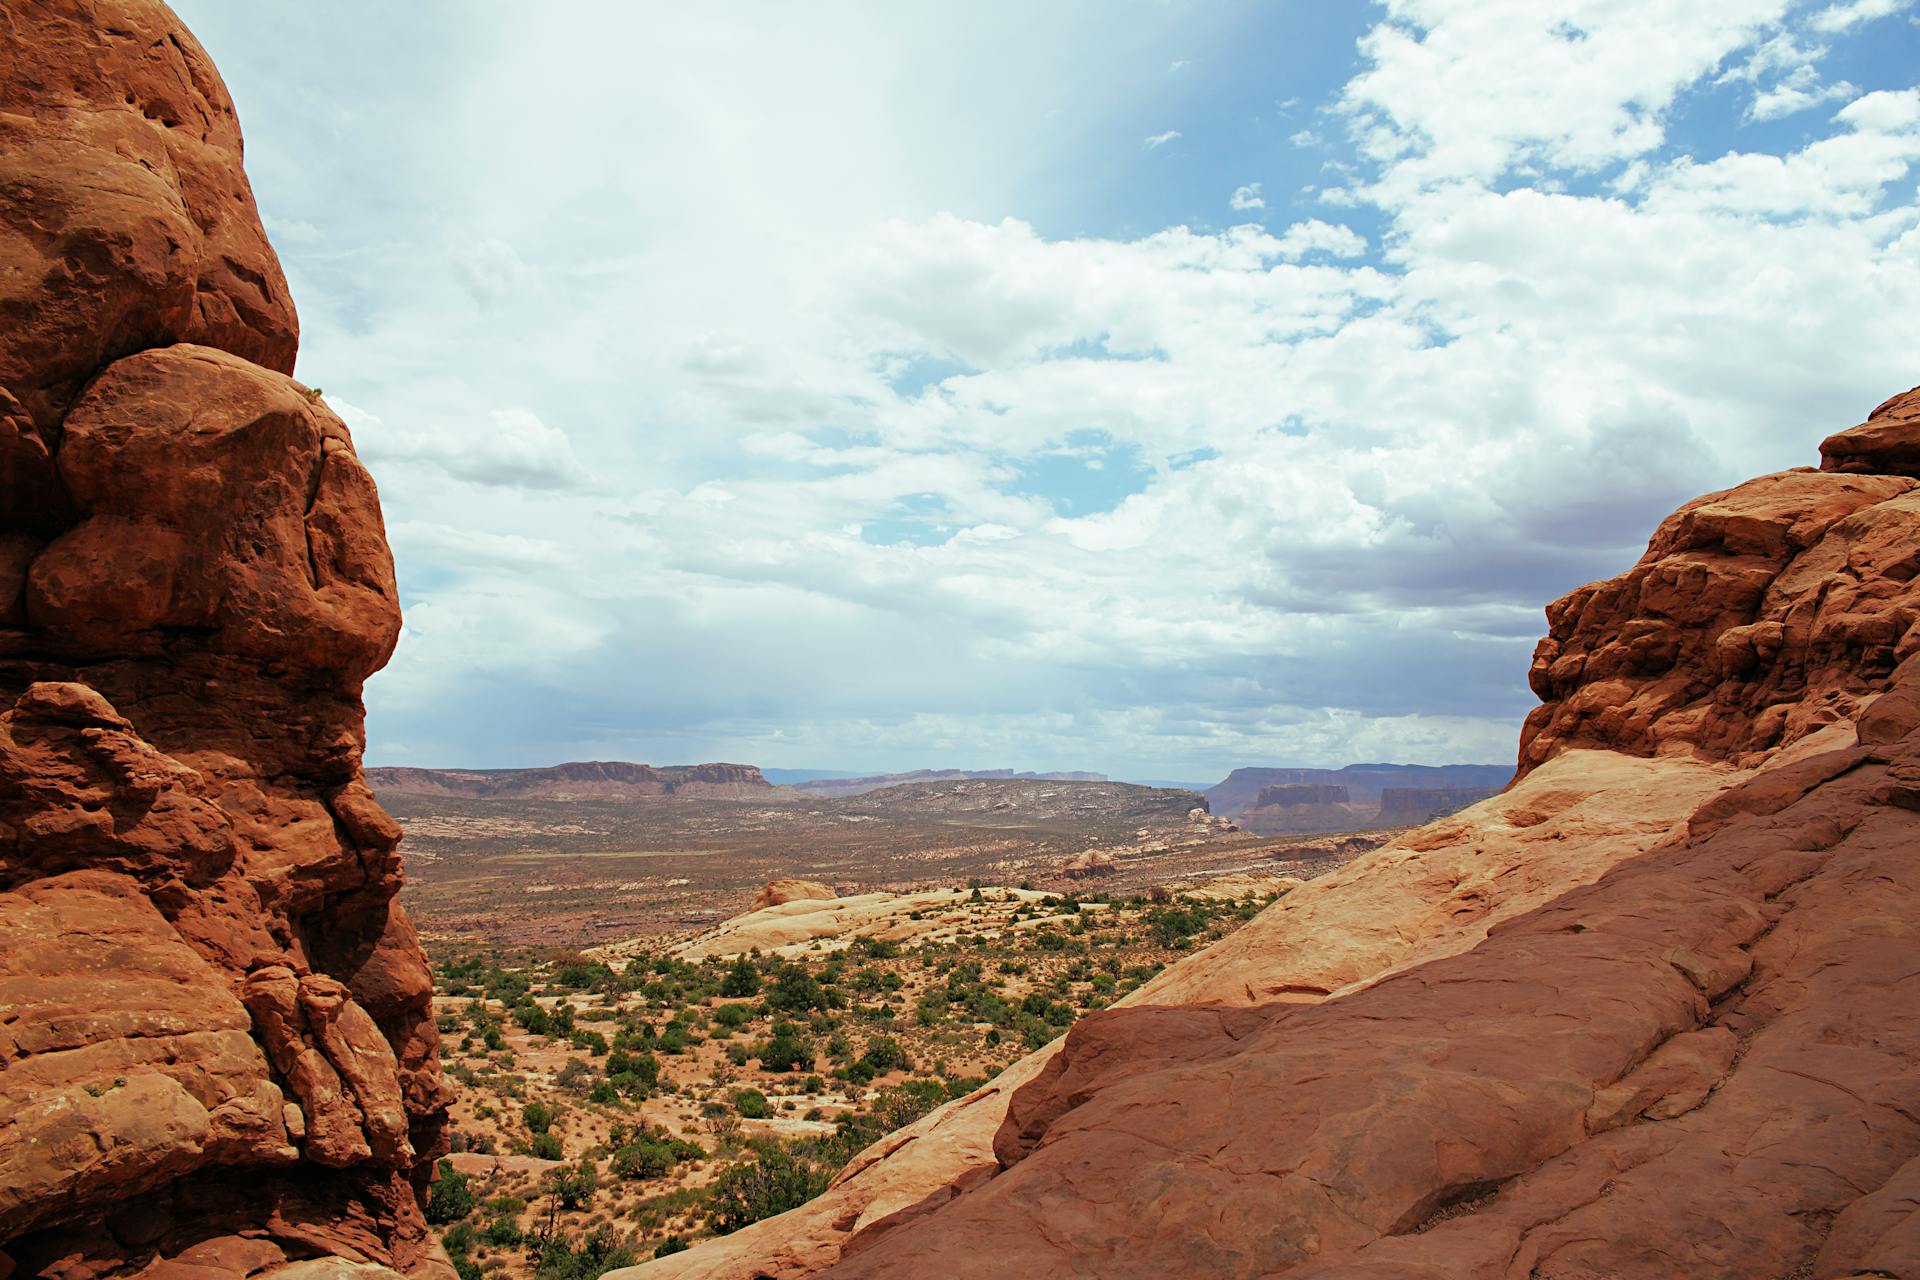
[512, 448]
[767, 485]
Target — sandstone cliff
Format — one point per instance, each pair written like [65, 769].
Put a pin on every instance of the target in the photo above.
[1648, 1013]
[217, 1055]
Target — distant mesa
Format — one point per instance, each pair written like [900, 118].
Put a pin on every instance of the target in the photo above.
[836, 787]
[1303, 801]
[577, 780]
[1014, 799]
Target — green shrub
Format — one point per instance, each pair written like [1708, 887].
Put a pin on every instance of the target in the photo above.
[547, 1146]
[643, 1160]
[451, 1198]
[787, 1051]
[592, 1258]
[538, 1117]
[751, 1104]
[796, 991]
[773, 1183]
[742, 979]
[575, 1186]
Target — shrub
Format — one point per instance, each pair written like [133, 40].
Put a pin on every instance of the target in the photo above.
[592, 1258]
[884, 1054]
[451, 1198]
[458, 1240]
[672, 1244]
[503, 1231]
[796, 991]
[538, 1117]
[742, 979]
[751, 1104]
[787, 1051]
[643, 1160]
[774, 1183]
[575, 1186]
[547, 1146]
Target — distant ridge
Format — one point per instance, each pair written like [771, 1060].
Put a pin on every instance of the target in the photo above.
[576, 780]
[832, 787]
[1240, 790]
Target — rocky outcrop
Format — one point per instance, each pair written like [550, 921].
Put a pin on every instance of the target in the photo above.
[824, 924]
[579, 780]
[1644, 1014]
[217, 1056]
[777, 893]
[1087, 864]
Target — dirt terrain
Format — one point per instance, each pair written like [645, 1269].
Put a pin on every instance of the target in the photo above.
[586, 871]
[625, 1103]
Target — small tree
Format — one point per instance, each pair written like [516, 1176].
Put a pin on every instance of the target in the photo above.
[451, 1198]
[774, 1183]
[538, 1115]
[574, 1187]
[742, 979]
[751, 1104]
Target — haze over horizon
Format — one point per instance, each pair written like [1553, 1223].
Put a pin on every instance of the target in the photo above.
[1214, 385]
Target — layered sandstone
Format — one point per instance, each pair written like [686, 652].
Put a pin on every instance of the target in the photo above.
[217, 1056]
[1647, 1013]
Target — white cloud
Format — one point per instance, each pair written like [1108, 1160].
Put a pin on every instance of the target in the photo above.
[820, 384]
[513, 449]
[1844, 17]
[1161, 139]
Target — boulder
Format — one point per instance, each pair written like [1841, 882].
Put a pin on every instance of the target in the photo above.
[777, 893]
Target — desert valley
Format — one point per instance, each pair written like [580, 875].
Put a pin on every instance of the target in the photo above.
[1640, 1004]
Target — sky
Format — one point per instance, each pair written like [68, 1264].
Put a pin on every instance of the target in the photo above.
[1144, 386]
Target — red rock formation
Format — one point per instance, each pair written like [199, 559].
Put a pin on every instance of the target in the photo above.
[1087, 864]
[217, 1055]
[776, 893]
[1649, 1013]
[1757, 616]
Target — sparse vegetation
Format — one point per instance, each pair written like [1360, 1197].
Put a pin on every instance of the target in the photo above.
[676, 1099]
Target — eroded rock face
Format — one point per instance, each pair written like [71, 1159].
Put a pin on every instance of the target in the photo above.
[1644, 1014]
[1757, 616]
[216, 1044]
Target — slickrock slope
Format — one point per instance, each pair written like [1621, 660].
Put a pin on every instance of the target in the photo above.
[217, 1056]
[810, 921]
[1652, 1012]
